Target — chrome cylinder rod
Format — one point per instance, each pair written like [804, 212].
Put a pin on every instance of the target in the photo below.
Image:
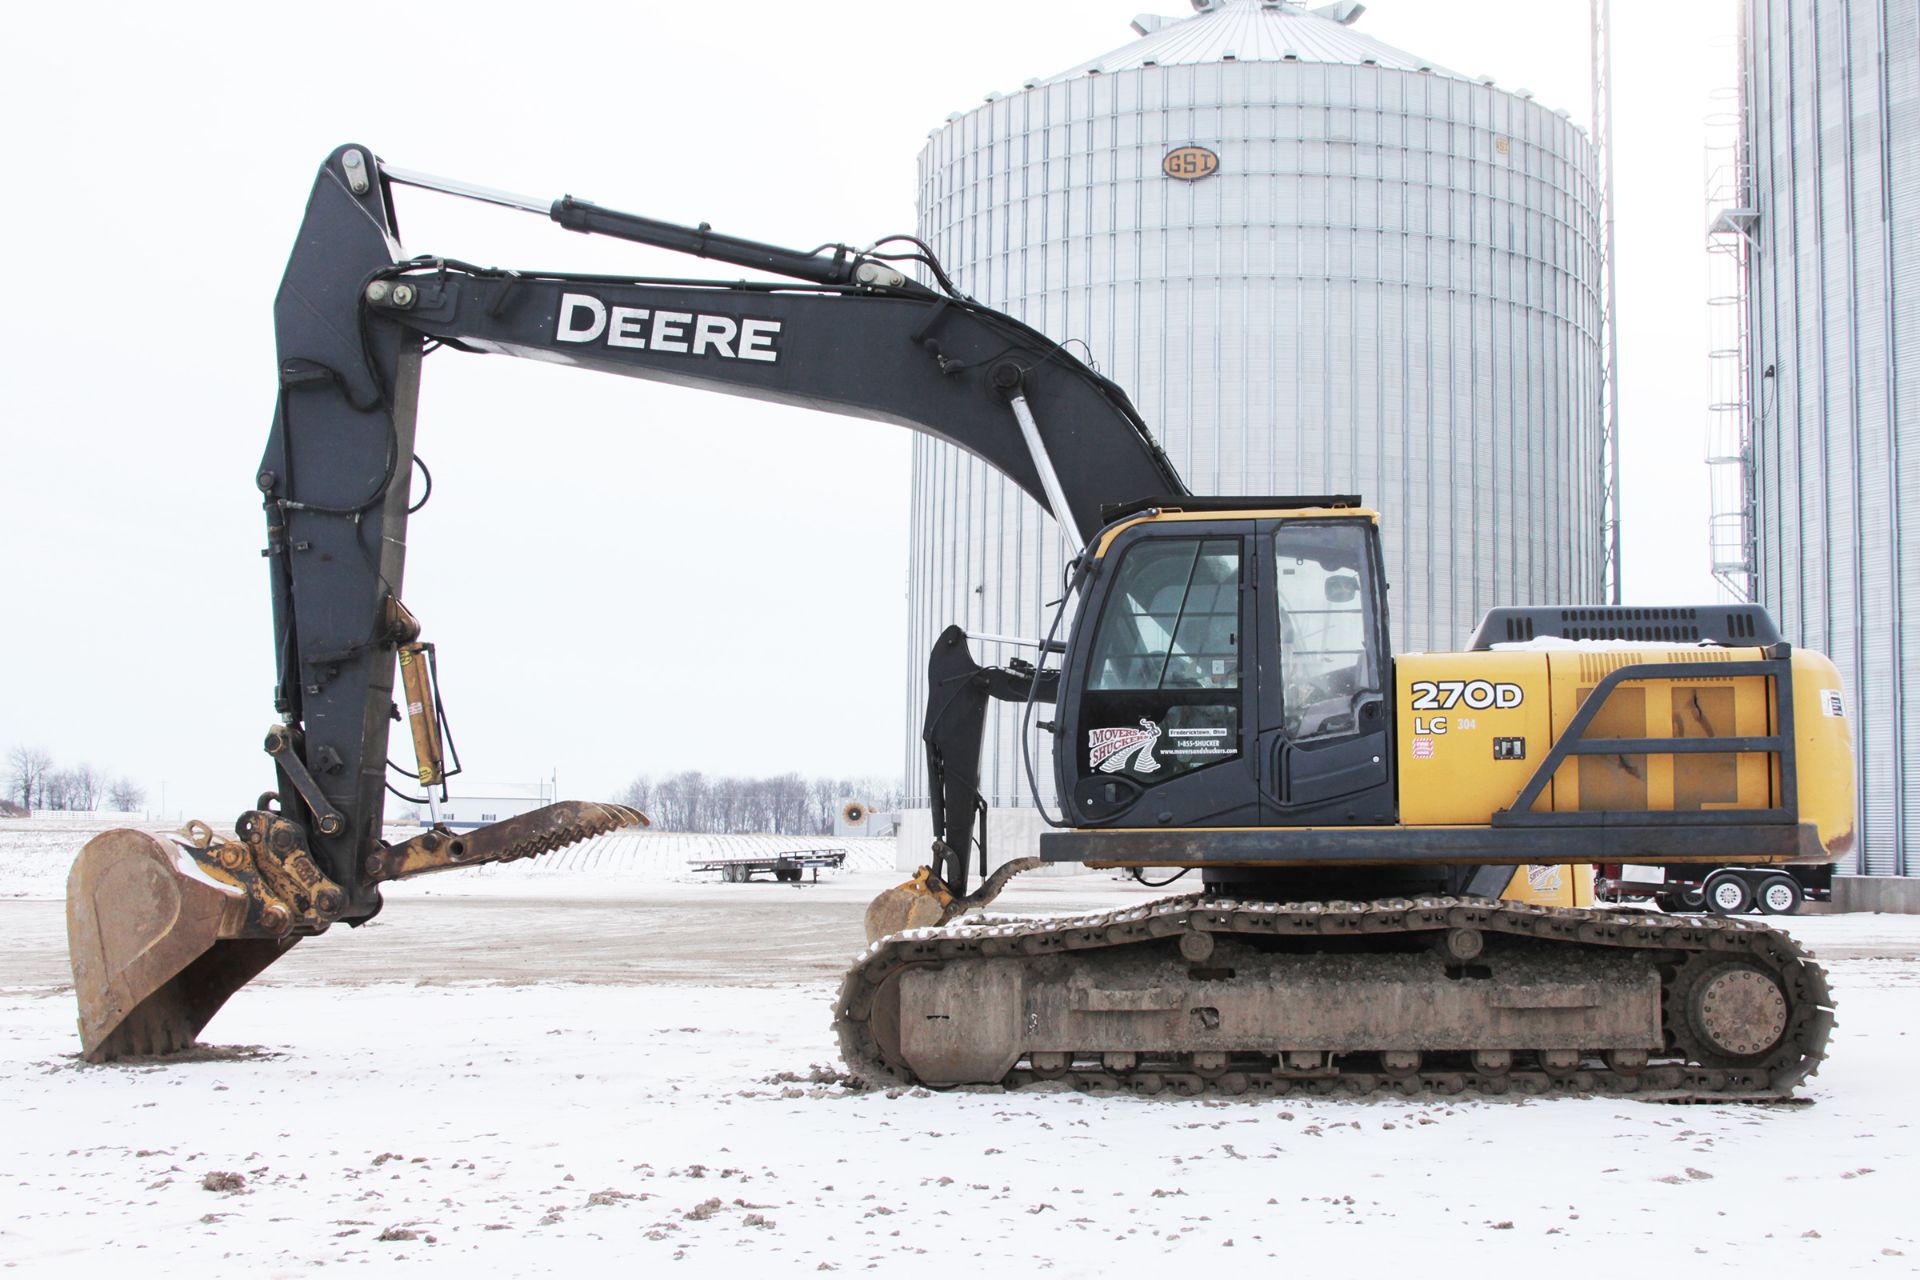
[467, 190]
[1049, 478]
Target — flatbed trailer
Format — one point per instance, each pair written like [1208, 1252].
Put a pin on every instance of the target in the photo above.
[1726, 890]
[785, 867]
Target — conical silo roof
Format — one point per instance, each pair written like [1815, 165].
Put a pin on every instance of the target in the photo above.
[1254, 31]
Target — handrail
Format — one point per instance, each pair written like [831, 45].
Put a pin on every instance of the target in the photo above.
[1778, 669]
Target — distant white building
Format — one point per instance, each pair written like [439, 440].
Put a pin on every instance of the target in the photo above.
[856, 819]
[475, 806]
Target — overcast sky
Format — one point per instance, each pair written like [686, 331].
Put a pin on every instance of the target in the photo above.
[622, 577]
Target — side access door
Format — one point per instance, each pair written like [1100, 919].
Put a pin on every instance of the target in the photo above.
[1325, 711]
[1161, 732]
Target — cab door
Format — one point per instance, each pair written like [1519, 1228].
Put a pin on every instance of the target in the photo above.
[1324, 742]
[1161, 734]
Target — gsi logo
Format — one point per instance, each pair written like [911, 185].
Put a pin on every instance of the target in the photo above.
[1190, 164]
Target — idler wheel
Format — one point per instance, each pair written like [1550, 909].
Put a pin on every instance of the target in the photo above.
[1738, 1012]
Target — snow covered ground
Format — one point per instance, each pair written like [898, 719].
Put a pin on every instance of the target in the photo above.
[597, 1071]
[36, 853]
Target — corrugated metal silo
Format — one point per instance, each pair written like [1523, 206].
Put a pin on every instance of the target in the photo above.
[1831, 132]
[1387, 287]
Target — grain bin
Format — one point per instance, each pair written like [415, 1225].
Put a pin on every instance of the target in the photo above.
[1320, 265]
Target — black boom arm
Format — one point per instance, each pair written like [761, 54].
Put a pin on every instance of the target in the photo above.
[351, 323]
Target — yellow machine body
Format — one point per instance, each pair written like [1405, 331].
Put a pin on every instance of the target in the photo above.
[1473, 727]
[1551, 885]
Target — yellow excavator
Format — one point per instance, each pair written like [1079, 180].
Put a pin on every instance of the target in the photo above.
[1391, 852]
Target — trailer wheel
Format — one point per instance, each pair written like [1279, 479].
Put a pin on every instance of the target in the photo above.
[786, 875]
[1779, 895]
[1679, 902]
[1728, 894]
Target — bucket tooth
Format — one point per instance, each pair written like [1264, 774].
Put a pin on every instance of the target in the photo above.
[525, 836]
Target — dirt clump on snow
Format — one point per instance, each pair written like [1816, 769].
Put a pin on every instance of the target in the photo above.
[818, 1073]
[180, 1057]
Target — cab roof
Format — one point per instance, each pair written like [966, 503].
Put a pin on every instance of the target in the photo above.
[1112, 511]
[1320, 507]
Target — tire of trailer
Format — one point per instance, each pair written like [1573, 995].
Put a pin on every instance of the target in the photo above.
[1681, 901]
[1778, 895]
[786, 875]
[1728, 894]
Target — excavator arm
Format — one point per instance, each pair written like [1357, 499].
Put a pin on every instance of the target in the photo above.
[851, 336]
[160, 937]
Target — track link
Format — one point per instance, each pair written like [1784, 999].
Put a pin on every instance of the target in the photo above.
[1690, 949]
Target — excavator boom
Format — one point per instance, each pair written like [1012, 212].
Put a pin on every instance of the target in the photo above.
[161, 934]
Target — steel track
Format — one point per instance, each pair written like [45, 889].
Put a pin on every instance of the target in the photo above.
[1685, 1072]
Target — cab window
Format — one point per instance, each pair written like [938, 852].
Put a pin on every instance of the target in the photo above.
[1324, 599]
[1173, 621]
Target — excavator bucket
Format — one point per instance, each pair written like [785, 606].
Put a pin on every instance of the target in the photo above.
[154, 939]
[162, 931]
[925, 902]
[920, 903]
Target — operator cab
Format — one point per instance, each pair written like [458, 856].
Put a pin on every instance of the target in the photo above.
[1231, 667]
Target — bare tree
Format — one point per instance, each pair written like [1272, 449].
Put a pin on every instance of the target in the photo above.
[680, 802]
[788, 798]
[126, 796]
[881, 794]
[692, 786]
[56, 789]
[26, 767]
[662, 811]
[75, 789]
[826, 805]
[87, 783]
[756, 805]
[724, 809]
[786, 804]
